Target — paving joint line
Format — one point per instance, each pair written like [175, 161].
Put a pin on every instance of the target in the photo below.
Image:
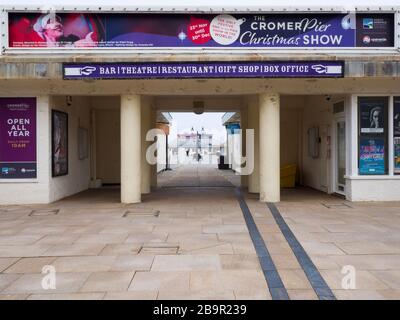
[315, 278]
[271, 275]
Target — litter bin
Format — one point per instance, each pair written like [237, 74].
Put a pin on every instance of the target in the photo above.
[288, 176]
[221, 164]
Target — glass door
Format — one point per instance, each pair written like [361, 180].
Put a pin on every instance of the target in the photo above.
[340, 155]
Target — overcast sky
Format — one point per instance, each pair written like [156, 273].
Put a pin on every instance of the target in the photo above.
[211, 121]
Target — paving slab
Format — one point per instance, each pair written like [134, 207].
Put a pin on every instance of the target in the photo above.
[30, 265]
[160, 280]
[140, 262]
[108, 281]
[32, 283]
[6, 263]
[186, 262]
[84, 264]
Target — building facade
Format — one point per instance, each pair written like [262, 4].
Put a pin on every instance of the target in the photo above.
[81, 86]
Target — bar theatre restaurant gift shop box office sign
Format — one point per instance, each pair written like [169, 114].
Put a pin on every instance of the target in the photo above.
[221, 46]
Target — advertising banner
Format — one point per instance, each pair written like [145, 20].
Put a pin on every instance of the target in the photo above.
[131, 30]
[372, 156]
[18, 138]
[374, 30]
[231, 69]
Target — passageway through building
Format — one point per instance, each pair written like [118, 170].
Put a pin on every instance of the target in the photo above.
[295, 143]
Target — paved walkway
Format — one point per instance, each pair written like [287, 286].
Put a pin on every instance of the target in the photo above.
[192, 242]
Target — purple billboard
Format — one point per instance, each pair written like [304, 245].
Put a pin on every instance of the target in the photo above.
[18, 138]
[134, 30]
[179, 70]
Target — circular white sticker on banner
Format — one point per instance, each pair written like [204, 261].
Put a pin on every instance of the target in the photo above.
[225, 29]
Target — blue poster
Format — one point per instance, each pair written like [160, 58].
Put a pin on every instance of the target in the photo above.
[372, 156]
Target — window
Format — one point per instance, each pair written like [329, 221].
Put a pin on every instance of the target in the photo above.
[373, 137]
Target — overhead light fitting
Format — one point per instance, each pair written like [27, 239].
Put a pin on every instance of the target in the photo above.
[198, 107]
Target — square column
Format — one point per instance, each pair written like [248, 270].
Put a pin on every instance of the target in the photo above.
[153, 167]
[269, 147]
[130, 149]
[243, 126]
[146, 126]
[254, 123]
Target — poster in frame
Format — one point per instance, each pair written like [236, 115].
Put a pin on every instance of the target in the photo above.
[396, 116]
[372, 156]
[18, 138]
[59, 129]
[372, 115]
[396, 155]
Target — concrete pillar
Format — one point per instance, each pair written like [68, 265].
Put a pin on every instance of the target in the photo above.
[227, 150]
[269, 147]
[146, 126]
[243, 126]
[130, 149]
[253, 119]
[94, 182]
[153, 169]
[93, 144]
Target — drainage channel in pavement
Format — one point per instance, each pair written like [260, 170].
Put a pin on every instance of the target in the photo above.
[271, 274]
[274, 281]
[318, 284]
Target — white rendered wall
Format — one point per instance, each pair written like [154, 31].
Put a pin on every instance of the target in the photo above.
[291, 107]
[317, 112]
[35, 190]
[108, 138]
[108, 149]
[78, 178]
[387, 189]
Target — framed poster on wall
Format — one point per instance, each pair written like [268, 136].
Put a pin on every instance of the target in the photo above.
[396, 117]
[373, 135]
[372, 156]
[59, 133]
[396, 155]
[18, 138]
[372, 116]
